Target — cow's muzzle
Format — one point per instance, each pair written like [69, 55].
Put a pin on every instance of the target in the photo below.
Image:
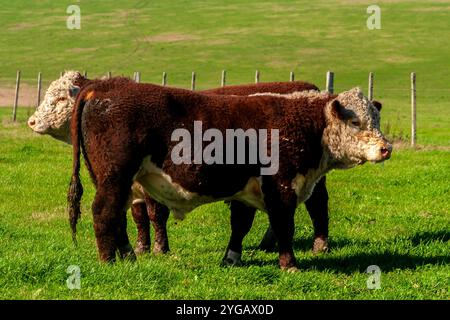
[32, 122]
[386, 151]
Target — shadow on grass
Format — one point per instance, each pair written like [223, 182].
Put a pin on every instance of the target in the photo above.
[305, 244]
[427, 237]
[387, 260]
[420, 238]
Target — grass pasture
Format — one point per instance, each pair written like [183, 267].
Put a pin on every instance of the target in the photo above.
[395, 215]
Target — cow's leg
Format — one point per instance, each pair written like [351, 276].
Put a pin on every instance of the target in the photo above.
[123, 243]
[282, 222]
[241, 221]
[317, 206]
[158, 214]
[269, 241]
[141, 219]
[281, 202]
[108, 211]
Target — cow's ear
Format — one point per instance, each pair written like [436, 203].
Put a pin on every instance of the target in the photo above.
[73, 91]
[377, 105]
[337, 110]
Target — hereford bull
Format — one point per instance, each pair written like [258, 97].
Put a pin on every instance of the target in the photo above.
[53, 117]
[125, 131]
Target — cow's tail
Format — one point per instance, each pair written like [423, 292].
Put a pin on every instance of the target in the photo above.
[75, 188]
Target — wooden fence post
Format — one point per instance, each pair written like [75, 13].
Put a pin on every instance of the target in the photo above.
[413, 109]
[16, 97]
[137, 77]
[330, 82]
[257, 76]
[223, 80]
[164, 79]
[108, 75]
[292, 76]
[370, 94]
[39, 86]
[193, 81]
[85, 73]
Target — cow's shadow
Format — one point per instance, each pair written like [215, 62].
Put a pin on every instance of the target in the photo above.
[358, 262]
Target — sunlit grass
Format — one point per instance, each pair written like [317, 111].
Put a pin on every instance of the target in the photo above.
[394, 215]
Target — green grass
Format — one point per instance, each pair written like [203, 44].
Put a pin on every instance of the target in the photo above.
[394, 215]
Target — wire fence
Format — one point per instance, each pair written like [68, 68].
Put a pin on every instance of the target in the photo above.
[329, 87]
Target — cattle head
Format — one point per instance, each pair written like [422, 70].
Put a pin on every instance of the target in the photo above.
[352, 135]
[53, 115]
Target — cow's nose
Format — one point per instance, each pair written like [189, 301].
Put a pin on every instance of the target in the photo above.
[31, 122]
[386, 151]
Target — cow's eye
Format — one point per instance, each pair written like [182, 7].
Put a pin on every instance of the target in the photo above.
[356, 123]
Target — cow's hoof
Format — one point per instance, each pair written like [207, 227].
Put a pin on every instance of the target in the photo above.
[127, 253]
[141, 248]
[108, 260]
[131, 257]
[320, 245]
[290, 269]
[160, 249]
[230, 263]
[232, 259]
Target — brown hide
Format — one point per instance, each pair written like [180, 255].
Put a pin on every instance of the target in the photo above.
[123, 122]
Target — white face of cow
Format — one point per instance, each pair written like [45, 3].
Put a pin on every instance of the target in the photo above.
[353, 135]
[53, 115]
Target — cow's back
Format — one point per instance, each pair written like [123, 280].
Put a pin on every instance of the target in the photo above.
[273, 87]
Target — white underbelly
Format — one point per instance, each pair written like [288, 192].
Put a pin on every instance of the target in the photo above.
[137, 193]
[252, 194]
[181, 201]
[303, 185]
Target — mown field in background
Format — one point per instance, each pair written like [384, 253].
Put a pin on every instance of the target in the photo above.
[206, 36]
[394, 215]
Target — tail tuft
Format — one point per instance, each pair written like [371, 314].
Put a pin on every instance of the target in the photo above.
[75, 188]
[74, 204]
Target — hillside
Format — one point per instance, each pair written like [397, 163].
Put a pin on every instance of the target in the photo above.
[241, 36]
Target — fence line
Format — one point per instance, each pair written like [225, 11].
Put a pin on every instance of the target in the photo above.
[137, 76]
[413, 109]
[223, 79]
[329, 88]
[193, 81]
[16, 97]
[330, 82]
[257, 76]
[39, 87]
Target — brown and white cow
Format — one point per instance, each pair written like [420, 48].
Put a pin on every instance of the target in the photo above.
[125, 129]
[53, 117]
